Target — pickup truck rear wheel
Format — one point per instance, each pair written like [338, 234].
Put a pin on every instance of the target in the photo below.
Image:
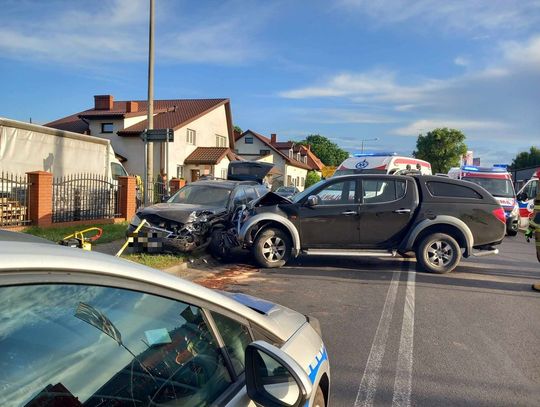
[272, 248]
[438, 253]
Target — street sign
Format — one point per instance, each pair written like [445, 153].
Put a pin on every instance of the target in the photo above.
[158, 135]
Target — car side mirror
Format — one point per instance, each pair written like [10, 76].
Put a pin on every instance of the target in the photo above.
[165, 198]
[522, 197]
[273, 378]
[313, 200]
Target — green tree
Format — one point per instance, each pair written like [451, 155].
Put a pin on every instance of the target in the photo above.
[312, 178]
[238, 129]
[526, 159]
[443, 148]
[327, 151]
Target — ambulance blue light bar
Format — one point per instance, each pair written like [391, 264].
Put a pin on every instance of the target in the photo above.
[472, 168]
[374, 154]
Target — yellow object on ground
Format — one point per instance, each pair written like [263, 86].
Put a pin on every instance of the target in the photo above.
[78, 239]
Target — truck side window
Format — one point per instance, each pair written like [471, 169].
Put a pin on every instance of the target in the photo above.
[452, 190]
[382, 190]
[236, 337]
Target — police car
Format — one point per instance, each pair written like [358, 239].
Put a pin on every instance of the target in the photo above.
[498, 182]
[82, 328]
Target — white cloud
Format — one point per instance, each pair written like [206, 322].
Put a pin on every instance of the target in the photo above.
[453, 16]
[118, 31]
[425, 125]
[461, 61]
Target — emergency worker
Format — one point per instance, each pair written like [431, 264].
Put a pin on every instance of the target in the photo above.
[534, 229]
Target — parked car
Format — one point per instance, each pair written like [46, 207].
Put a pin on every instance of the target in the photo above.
[438, 218]
[83, 328]
[287, 192]
[188, 220]
[498, 182]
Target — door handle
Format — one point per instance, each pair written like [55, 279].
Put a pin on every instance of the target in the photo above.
[402, 211]
[349, 213]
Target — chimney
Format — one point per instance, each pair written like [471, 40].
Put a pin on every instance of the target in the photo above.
[132, 107]
[103, 102]
[273, 138]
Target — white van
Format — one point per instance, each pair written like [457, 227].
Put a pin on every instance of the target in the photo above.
[381, 163]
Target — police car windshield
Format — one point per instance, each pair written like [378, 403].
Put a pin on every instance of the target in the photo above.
[202, 195]
[496, 187]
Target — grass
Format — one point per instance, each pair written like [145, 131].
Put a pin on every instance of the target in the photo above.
[111, 232]
[157, 261]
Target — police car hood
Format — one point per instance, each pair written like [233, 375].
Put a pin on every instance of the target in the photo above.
[287, 320]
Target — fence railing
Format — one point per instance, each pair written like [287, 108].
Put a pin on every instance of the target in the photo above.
[84, 197]
[14, 199]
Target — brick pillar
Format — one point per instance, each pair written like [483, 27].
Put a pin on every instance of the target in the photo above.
[176, 184]
[40, 194]
[126, 197]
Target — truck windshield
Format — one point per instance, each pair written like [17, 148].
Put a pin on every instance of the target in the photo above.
[495, 186]
[202, 195]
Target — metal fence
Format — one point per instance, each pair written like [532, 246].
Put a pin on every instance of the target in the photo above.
[84, 197]
[14, 199]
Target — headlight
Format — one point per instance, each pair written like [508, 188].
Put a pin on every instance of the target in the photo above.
[135, 220]
[515, 211]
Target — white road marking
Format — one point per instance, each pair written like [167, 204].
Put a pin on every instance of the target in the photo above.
[368, 385]
[403, 381]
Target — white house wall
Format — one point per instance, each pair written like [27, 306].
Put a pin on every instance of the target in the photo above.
[297, 173]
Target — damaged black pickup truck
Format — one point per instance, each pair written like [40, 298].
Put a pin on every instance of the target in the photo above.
[189, 219]
[439, 219]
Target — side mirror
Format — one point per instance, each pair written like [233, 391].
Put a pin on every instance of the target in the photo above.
[165, 198]
[313, 200]
[273, 378]
[522, 197]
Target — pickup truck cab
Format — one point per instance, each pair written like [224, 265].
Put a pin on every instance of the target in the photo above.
[440, 219]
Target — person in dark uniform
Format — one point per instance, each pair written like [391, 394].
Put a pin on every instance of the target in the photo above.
[534, 229]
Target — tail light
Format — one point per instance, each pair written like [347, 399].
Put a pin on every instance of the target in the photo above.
[499, 214]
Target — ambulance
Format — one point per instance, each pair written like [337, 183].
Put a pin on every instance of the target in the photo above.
[382, 163]
[526, 197]
[498, 182]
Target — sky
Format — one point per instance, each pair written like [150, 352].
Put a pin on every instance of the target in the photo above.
[346, 69]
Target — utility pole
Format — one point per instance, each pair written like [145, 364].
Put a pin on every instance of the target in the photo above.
[368, 139]
[149, 187]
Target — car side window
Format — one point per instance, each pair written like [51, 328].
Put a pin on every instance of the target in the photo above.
[382, 190]
[93, 345]
[239, 197]
[337, 193]
[236, 337]
[447, 189]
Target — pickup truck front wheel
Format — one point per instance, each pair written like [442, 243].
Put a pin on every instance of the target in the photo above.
[272, 248]
[438, 253]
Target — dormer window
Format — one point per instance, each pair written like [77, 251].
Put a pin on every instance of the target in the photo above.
[107, 127]
[290, 153]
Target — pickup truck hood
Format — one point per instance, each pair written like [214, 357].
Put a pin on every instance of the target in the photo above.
[286, 320]
[182, 213]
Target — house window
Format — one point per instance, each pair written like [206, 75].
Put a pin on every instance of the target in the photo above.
[302, 181]
[290, 153]
[180, 171]
[107, 127]
[264, 152]
[304, 159]
[248, 140]
[289, 180]
[221, 141]
[224, 173]
[298, 157]
[191, 137]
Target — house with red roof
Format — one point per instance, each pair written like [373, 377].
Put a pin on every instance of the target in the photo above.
[203, 133]
[292, 161]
